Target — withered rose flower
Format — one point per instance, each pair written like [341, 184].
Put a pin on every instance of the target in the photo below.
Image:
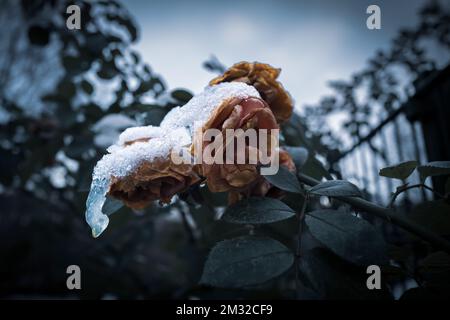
[263, 77]
[159, 180]
[234, 113]
[261, 187]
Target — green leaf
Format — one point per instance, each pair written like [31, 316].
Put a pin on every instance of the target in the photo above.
[436, 168]
[111, 205]
[80, 145]
[95, 43]
[75, 65]
[400, 171]
[336, 188]
[70, 62]
[181, 95]
[245, 261]
[66, 115]
[299, 155]
[87, 87]
[285, 180]
[93, 112]
[155, 115]
[145, 86]
[56, 98]
[257, 211]
[433, 215]
[351, 238]
[66, 88]
[135, 56]
[107, 70]
[333, 278]
[314, 168]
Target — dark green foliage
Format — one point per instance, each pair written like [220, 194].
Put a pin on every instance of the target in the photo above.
[336, 188]
[285, 180]
[349, 237]
[314, 168]
[245, 261]
[436, 168]
[257, 211]
[400, 171]
[332, 278]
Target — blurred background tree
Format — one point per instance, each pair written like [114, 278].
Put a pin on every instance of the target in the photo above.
[65, 96]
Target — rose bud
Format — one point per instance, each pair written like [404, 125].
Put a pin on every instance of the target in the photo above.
[263, 77]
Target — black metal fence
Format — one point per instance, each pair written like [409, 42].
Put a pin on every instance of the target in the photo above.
[417, 130]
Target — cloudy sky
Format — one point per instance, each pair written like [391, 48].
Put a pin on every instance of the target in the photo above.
[312, 41]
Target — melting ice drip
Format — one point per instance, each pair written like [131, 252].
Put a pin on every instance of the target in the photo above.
[96, 219]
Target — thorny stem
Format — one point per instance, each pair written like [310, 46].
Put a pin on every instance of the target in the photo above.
[402, 189]
[301, 216]
[387, 214]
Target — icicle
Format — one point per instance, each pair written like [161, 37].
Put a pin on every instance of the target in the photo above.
[94, 203]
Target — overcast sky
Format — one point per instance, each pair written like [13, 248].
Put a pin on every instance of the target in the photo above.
[312, 41]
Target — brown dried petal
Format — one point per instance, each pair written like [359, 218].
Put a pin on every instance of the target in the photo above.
[263, 77]
[157, 180]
